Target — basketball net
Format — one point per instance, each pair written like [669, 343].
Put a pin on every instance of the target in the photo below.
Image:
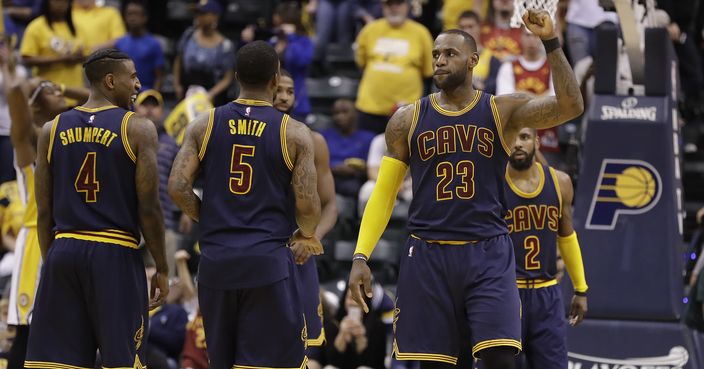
[521, 6]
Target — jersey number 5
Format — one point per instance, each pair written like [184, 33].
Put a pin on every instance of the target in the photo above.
[241, 172]
[86, 181]
[446, 172]
[532, 245]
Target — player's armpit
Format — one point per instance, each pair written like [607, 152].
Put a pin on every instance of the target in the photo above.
[43, 191]
[326, 187]
[186, 167]
[144, 139]
[304, 179]
[397, 132]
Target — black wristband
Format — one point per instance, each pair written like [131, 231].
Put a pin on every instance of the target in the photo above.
[580, 293]
[551, 45]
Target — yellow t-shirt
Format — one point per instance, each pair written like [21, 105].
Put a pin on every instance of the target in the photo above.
[40, 40]
[395, 60]
[452, 9]
[11, 208]
[97, 25]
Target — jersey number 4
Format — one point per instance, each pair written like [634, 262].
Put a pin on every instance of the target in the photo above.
[241, 172]
[447, 172]
[86, 181]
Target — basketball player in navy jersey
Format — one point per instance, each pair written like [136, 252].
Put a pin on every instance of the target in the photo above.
[309, 284]
[457, 283]
[97, 188]
[255, 162]
[539, 200]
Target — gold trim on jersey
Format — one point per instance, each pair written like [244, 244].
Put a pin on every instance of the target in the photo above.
[304, 365]
[284, 144]
[423, 356]
[94, 110]
[206, 136]
[105, 236]
[441, 242]
[499, 125]
[494, 343]
[54, 123]
[125, 139]
[439, 109]
[553, 174]
[253, 102]
[414, 123]
[317, 341]
[527, 195]
[51, 365]
[535, 283]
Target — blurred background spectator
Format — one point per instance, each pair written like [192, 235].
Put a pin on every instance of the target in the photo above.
[144, 49]
[98, 26]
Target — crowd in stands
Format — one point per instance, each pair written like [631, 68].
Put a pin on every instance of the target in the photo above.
[353, 63]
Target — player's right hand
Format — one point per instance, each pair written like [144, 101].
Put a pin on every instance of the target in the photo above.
[312, 244]
[360, 277]
[300, 253]
[160, 289]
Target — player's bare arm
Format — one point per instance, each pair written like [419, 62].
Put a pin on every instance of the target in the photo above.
[521, 110]
[185, 169]
[578, 307]
[373, 222]
[326, 192]
[23, 134]
[43, 191]
[304, 182]
[142, 135]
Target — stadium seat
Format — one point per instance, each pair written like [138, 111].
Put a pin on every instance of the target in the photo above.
[340, 58]
[331, 88]
[179, 10]
[319, 122]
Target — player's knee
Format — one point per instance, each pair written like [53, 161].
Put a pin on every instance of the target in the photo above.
[500, 357]
[435, 365]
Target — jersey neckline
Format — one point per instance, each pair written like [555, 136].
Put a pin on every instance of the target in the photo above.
[528, 195]
[439, 109]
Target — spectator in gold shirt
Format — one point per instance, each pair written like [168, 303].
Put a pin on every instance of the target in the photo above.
[395, 54]
[98, 26]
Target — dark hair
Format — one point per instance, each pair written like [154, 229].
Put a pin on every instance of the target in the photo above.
[50, 19]
[468, 39]
[290, 12]
[103, 62]
[470, 14]
[140, 3]
[284, 73]
[256, 64]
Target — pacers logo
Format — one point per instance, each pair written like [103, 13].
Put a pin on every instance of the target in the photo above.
[623, 187]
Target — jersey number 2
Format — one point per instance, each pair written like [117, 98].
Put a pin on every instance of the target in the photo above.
[86, 181]
[532, 245]
[241, 178]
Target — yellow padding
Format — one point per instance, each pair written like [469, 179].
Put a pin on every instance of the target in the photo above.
[572, 255]
[381, 204]
[535, 283]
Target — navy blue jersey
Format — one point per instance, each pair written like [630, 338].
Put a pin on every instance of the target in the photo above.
[93, 169]
[457, 163]
[245, 217]
[533, 220]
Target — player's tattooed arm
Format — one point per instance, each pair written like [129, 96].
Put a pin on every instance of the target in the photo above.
[144, 139]
[43, 191]
[186, 167]
[567, 194]
[326, 186]
[397, 132]
[304, 179]
[521, 110]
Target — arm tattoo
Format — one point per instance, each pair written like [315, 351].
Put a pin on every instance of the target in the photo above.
[397, 133]
[304, 179]
[185, 168]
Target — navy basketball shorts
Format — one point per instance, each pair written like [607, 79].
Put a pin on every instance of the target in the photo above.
[544, 328]
[308, 285]
[91, 296]
[260, 327]
[453, 296]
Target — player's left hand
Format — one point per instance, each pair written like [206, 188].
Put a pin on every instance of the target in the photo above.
[539, 23]
[300, 253]
[311, 245]
[159, 290]
[578, 309]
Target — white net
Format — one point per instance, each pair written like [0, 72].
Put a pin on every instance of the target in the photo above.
[520, 7]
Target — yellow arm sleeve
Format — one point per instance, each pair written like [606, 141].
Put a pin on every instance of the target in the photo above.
[381, 203]
[572, 255]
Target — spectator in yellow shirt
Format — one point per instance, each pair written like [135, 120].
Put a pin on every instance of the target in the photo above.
[51, 46]
[98, 26]
[395, 54]
[452, 9]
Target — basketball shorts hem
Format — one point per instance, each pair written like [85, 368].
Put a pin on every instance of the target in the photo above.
[418, 356]
[51, 365]
[304, 365]
[495, 343]
[317, 342]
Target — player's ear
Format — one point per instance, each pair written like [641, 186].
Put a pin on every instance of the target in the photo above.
[109, 81]
[536, 142]
[473, 60]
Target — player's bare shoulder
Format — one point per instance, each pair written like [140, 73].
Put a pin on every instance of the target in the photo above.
[140, 132]
[397, 132]
[565, 182]
[299, 137]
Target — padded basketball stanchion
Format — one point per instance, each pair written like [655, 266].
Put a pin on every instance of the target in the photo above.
[606, 64]
[658, 68]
